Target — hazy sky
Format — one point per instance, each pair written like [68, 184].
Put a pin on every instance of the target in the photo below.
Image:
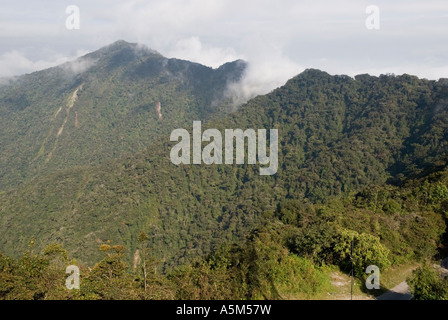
[279, 38]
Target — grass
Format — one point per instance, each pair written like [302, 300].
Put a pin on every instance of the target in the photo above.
[394, 276]
[340, 288]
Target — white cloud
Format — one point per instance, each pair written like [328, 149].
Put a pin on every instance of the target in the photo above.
[14, 63]
[193, 50]
[268, 69]
[212, 32]
[79, 65]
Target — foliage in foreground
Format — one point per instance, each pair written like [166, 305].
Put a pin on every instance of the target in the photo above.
[260, 269]
[287, 256]
[427, 284]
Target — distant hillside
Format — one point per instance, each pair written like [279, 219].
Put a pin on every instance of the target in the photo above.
[337, 135]
[101, 106]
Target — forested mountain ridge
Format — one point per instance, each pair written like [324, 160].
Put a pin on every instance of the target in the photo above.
[293, 253]
[337, 136]
[100, 107]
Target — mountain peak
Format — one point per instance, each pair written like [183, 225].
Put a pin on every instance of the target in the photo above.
[122, 44]
[123, 51]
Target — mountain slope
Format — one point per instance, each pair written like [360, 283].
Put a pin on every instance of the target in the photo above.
[101, 106]
[337, 135]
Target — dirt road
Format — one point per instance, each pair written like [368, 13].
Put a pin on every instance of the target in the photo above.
[399, 292]
[402, 290]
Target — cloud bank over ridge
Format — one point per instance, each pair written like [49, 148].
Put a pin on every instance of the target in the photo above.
[279, 39]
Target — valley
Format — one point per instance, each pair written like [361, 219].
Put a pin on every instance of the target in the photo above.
[86, 178]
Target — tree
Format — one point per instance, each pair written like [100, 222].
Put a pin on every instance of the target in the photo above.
[367, 250]
[142, 239]
[109, 279]
[427, 284]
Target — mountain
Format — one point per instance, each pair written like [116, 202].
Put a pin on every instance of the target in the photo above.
[102, 106]
[338, 136]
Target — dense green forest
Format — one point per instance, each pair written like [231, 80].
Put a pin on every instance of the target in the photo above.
[288, 256]
[102, 106]
[361, 159]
